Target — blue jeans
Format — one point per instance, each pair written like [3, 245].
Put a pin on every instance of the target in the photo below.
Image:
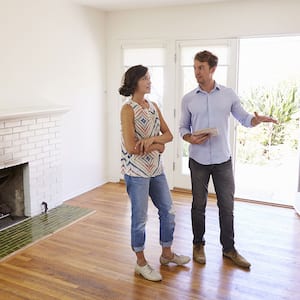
[222, 175]
[139, 189]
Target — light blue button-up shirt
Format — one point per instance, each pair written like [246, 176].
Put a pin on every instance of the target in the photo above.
[200, 110]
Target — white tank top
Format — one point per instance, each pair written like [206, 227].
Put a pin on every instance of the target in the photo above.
[147, 124]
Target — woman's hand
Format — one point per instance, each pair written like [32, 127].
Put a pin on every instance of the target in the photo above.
[161, 148]
[147, 145]
[144, 144]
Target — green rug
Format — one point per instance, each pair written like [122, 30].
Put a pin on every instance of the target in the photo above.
[32, 229]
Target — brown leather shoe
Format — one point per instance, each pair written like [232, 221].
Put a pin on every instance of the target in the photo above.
[199, 254]
[179, 260]
[237, 258]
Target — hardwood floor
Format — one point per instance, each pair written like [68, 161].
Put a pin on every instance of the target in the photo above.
[92, 258]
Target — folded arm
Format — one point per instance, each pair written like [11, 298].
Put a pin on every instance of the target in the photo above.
[134, 146]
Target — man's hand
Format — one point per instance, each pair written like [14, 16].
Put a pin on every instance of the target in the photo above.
[196, 139]
[257, 119]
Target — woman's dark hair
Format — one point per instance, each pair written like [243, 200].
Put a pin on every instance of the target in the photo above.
[206, 56]
[131, 78]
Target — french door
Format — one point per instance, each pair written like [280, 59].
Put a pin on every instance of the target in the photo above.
[154, 55]
[225, 74]
[268, 155]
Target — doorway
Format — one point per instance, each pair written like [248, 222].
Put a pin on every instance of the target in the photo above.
[266, 164]
[225, 74]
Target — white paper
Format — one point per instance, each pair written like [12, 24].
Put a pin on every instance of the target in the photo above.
[210, 131]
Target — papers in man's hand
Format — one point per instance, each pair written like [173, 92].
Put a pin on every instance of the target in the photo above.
[210, 131]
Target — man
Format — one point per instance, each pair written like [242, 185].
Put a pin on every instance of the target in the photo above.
[209, 106]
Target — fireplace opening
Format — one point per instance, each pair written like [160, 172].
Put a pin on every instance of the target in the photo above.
[12, 200]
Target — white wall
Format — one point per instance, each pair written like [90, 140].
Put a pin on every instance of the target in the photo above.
[53, 52]
[209, 21]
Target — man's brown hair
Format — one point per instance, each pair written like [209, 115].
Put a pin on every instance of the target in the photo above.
[206, 56]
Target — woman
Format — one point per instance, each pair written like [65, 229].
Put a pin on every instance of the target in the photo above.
[144, 135]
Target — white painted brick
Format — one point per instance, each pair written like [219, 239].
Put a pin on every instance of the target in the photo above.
[55, 117]
[4, 131]
[27, 146]
[20, 154]
[55, 152]
[56, 163]
[43, 120]
[49, 124]
[42, 143]
[26, 134]
[45, 164]
[11, 137]
[54, 129]
[14, 162]
[42, 155]
[6, 157]
[37, 198]
[5, 143]
[20, 142]
[30, 158]
[47, 160]
[44, 131]
[20, 129]
[58, 135]
[35, 151]
[38, 175]
[49, 137]
[42, 138]
[35, 139]
[50, 160]
[9, 124]
[35, 164]
[12, 149]
[28, 122]
[48, 148]
[58, 123]
[55, 141]
[36, 126]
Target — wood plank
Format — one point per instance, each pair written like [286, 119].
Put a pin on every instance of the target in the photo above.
[92, 258]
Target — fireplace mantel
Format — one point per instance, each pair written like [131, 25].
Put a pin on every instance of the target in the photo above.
[23, 112]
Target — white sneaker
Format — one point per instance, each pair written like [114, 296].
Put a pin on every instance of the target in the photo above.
[148, 272]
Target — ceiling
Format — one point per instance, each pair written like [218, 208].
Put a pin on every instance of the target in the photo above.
[113, 5]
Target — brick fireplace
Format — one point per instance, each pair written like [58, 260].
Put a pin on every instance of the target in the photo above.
[31, 138]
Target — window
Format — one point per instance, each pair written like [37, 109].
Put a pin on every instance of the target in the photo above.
[154, 59]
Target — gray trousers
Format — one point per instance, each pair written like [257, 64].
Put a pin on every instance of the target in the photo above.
[223, 180]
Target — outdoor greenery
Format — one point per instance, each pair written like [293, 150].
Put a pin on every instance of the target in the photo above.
[269, 141]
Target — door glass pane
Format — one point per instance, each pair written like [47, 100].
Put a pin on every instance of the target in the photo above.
[267, 156]
[154, 59]
[144, 56]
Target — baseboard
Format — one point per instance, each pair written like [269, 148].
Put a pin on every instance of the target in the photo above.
[81, 191]
[297, 203]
